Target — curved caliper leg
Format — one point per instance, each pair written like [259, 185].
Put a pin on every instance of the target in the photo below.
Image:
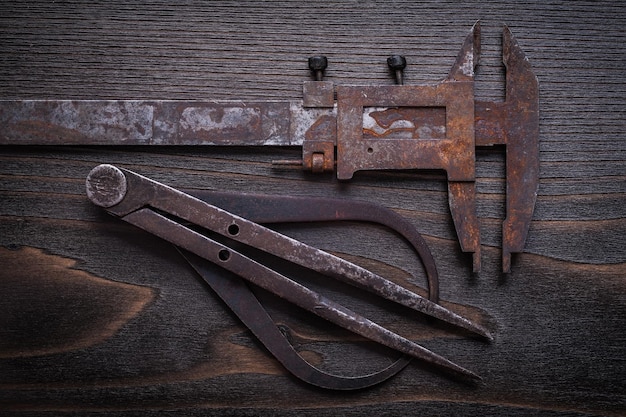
[240, 299]
[268, 209]
[514, 123]
[287, 209]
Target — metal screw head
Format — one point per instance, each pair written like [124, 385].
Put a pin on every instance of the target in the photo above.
[396, 62]
[318, 64]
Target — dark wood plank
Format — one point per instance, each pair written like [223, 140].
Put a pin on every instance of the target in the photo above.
[96, 316]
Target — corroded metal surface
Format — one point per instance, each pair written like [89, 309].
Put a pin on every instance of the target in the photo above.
[514, 123]
[439, 121]
[137, 122]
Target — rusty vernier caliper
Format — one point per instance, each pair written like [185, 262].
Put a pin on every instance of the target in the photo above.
[347, 128]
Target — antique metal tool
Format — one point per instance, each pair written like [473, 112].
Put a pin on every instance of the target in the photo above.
[347, 128]
[210, 233]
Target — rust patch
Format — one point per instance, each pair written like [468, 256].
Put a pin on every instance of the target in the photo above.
[214, 123]
[55, 308]
[405, 122]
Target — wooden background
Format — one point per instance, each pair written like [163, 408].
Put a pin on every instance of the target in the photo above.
[96, 316]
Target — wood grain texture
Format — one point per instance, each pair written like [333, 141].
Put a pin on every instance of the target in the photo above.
[98, 317]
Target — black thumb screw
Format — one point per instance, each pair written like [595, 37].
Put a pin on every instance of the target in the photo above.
[397, 63]
[318, 64]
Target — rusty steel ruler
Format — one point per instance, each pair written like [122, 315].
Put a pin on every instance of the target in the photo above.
[340, 128]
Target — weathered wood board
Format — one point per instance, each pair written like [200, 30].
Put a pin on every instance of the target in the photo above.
[98, 317]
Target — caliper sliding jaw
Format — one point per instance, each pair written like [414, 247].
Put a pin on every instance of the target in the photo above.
[438, 126]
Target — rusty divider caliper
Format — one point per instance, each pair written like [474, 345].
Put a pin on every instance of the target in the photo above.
[206, 232]
[384, 127]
